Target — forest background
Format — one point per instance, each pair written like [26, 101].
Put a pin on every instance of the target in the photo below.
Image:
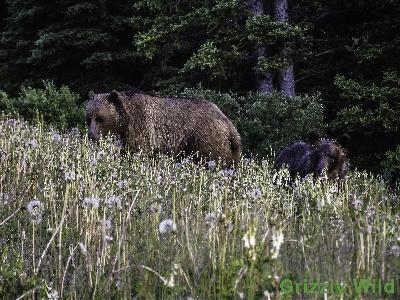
[278, 69]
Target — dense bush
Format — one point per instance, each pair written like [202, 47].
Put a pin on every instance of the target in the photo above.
[370, 114]
[391, 165]
[57, 106]
[268, 122]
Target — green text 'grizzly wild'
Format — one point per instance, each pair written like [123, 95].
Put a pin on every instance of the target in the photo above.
[164, 125]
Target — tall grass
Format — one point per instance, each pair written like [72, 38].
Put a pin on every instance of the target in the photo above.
[79, 220]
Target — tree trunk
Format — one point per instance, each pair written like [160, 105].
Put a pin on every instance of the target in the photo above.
[264, 80]
[286, 75]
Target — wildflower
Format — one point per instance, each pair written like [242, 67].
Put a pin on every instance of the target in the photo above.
[91, 202]
[93, 162]
[249, 240]
[119, 143]
[255, 194]
[211, 164]
[56, 137]
[113, 201]
[210, 219]
[178, 165]
[101, 154]
[227, 173]
[83, 248]
[395, 250]
[172, 180]
[4, 198]
[267, 295]
[52, 294]
[357, 204]
[32, 144]
[69, 176]
[186, 160]
[171, 281]
[35, 209]
[155, 208]
[107, 225]
[74, 131]
[123, 184]
[167, 226]
[240, 295]
[277, 241]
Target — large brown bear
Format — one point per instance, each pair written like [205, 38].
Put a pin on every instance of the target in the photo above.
[164, 125]
[313, 158]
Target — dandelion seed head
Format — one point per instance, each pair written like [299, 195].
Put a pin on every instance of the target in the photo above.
[170, 282]
[56, 137]
[74, 131]
[69, 176]
[210, 219]
[101, 154]
[155, 208]
[35, 209]
[107, 224]
[167, 226]
[91, 202]
[32, 144]
[93, 162]
[277, 241]
[395, 250]
[249, 240]
[83, 248]
[123, 184]
[113, 201]
[211, 164]
[256, 194]
[4, 198]
[52, 294]
[227, 173]
[358, 204]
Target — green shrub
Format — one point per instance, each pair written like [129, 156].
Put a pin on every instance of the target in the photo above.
[57, 106]
[369, 112]
[268, 122]
[273, 121]
[5, 102]
[391, 165]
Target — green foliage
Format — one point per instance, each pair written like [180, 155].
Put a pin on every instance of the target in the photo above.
[268, 122]
[274, 121]
[265, 31]
[5, 102]
[13, 278]
[57, 106]
[228, 103]
[391, 165]
[370, 112]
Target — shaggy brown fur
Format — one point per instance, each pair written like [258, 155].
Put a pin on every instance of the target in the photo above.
[304, 158]
[164, 125]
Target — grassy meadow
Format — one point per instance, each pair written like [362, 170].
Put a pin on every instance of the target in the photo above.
[81, 221]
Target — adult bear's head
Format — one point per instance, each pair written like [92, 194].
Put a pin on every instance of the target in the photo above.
[103, 114]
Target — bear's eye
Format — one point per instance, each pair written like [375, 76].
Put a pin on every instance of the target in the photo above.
[99, 120]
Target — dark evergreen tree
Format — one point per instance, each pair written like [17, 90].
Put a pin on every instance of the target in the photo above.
[87, 45]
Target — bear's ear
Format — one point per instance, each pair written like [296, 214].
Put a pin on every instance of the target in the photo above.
[115, 99]
[91, 95]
